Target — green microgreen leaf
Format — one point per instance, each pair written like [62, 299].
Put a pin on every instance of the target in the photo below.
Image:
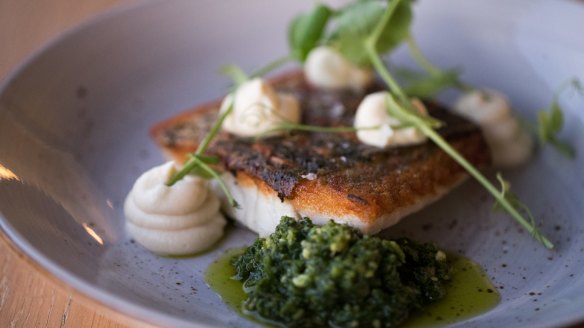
[436, 80]
[235, 73]
[351, 47]
[306, 30]
[403, 111]
[551, 121]
[564, 148]
[427, 86]
[408, 117]
[556, 119]
[196, 169]
[206, 168]
[419, 56]
[512, 199]
[405, 116]
[211, 160]
[397, 29]
[374, 57]
[357, 21]
[353, 24]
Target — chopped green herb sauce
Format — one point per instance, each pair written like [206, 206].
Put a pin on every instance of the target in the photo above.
[313, 276]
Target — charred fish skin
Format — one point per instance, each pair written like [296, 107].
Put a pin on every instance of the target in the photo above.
[283, 161]
[333, 175]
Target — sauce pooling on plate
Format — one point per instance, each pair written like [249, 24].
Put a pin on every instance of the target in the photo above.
[468, 294]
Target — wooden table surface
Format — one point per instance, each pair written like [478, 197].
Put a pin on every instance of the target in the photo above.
[29, 296]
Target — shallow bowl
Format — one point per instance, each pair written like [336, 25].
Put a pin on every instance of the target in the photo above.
[73, 138]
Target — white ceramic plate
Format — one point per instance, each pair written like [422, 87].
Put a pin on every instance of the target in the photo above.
[74, 121]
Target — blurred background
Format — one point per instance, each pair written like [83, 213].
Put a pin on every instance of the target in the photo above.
[27, 24]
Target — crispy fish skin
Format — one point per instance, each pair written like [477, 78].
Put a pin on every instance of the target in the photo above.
[333, 175]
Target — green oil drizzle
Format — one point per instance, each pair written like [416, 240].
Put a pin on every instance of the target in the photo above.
[218, 277]
[469, 294]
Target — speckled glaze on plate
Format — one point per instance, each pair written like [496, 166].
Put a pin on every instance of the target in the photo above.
[73, 132]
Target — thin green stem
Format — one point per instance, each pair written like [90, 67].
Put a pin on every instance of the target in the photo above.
[188, 167]
[195, 160]
[438, 140]
[191, 164]
[214, 129]
[380, 68]
[323, 129]
[236, 73]
[378, 31]
[420, 58]
[425, 63]
[271, 66]
[326, 129]
[371, 48]
[209, 159]
[220, 181]
[407, 115]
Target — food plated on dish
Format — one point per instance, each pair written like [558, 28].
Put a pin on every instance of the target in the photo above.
[461, 222]
[330, 146]
[325, 175]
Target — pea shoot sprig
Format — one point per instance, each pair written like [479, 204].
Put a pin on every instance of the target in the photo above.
[551, 121]
[354, 22]
[201, 165]
[401, 109]
[434, 80]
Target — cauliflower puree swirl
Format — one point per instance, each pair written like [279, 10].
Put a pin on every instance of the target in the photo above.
[511, 145]
[178, 220]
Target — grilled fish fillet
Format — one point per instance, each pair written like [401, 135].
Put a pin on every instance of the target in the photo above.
[326, 175]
